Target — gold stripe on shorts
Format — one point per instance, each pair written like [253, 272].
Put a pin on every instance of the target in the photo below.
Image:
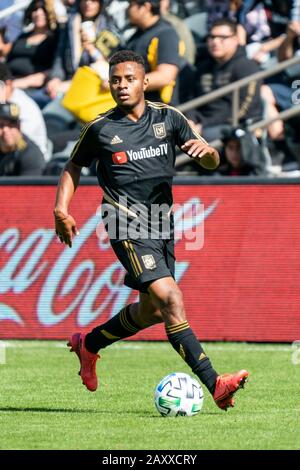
[131, 259]
[135, 256]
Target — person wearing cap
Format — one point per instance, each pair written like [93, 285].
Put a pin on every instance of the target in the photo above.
[158, 43]
[19, 156]
[31, 119]
[242, 153]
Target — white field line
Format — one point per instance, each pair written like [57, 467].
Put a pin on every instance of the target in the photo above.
[150, 345]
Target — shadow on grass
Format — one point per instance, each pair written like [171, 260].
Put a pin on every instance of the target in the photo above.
[33, 409]
[39, 409]
[22, 409]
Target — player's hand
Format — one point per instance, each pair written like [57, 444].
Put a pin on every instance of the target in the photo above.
[65, 229]
[208, 156]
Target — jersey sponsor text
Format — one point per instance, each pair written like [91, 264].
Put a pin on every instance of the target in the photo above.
[149, 152]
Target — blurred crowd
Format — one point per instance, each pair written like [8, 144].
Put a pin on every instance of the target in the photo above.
[54, 76]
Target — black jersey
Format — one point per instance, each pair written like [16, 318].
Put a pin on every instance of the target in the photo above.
[135, 160]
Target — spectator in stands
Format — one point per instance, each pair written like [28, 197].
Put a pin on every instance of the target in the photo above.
[187, 49]
[76, 49]
[277, 93]
[291, 44]
[158, 43]
[61, 9]
[184, 33]
[242, 153]
[279, 13]
[227, 63]
[31, 119]
[259, 40]
[10, 28]
[31, 56]
[226, 9]
[3, 45]
[19, 156]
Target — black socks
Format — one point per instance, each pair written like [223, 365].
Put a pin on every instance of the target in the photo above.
[186, 344]
[118, 327]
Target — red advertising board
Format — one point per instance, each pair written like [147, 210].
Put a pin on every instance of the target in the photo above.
[242, 285]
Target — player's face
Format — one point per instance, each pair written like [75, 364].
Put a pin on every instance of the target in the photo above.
[127, 84]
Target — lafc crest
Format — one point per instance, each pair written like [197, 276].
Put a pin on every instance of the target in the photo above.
[149, 261]
[159, 130]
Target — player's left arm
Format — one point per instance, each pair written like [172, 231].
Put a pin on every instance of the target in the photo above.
[208, 156]
[190, 142]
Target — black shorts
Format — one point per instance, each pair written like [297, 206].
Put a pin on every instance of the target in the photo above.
[145, 260]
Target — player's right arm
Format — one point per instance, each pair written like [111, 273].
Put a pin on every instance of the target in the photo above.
[65, 225]
[82, 155]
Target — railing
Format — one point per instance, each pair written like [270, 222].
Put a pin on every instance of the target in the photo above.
[16, 7]
[234, 88]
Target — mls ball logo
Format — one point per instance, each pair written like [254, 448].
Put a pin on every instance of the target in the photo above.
[149, 261]
[119, 158]
[159, 130]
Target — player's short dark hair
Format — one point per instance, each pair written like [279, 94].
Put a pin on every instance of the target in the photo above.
[155, 5]
[5, 73]
[126, 56]
[232, 25]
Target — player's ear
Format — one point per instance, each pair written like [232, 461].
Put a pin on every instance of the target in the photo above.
[146, 83]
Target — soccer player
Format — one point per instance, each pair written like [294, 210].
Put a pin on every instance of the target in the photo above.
[134, 145]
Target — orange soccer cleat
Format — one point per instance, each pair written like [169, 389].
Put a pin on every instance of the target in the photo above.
[226, 386]
[87, 361]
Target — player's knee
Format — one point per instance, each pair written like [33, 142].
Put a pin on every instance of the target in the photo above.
[172, 300]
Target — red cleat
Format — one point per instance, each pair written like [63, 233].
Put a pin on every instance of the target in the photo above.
[87, 361]
[226, 386]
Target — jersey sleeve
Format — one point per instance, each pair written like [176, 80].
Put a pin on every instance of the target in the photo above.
[84, 151]
[168, 48]
[183, 130]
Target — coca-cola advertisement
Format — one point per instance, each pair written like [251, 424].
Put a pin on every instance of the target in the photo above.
[237, 263]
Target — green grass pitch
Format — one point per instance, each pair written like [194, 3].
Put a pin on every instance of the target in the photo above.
[43, 404]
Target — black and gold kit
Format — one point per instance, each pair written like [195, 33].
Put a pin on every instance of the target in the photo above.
[135, 160]
[135, 166]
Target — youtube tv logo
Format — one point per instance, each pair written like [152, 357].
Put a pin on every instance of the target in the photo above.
[119, 158]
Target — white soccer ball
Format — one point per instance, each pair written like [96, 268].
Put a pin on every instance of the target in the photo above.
[178, 394]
